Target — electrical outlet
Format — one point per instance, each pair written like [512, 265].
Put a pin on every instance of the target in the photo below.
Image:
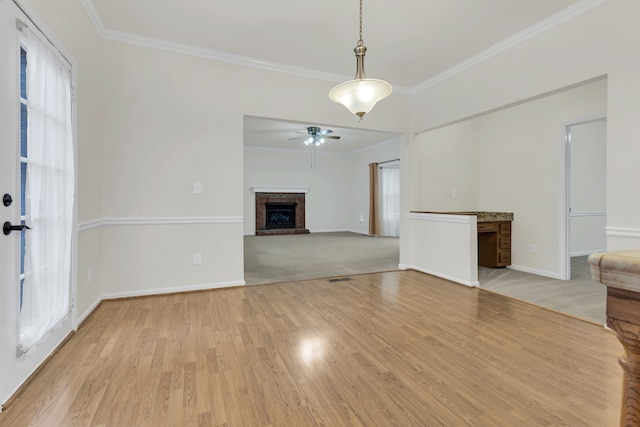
[197, 258]
[197, 187]
[454, 194]
[533, 248]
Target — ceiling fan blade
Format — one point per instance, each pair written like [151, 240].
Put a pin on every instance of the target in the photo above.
[331, 137]
[326, 131]
[304, 133]
[297, 137]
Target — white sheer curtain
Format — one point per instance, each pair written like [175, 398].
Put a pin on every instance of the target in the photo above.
[49, 193]
[390, 200]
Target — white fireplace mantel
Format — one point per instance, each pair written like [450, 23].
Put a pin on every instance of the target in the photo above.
[279, 190]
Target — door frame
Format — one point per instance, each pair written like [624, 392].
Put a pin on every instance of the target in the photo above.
[565, 199]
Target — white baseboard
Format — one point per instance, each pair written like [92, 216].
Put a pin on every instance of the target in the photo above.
[326, 231]
[159, 291]
[535, 271]
[173, 290]
[87, 312]
[442, 276]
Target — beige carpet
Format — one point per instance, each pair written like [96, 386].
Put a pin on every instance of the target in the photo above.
[270, 259]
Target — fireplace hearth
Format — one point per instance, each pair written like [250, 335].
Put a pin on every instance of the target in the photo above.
[280, 213]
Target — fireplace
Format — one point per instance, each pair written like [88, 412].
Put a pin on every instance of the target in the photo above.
[280, 213]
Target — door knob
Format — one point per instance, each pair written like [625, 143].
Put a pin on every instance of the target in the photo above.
[7, 228]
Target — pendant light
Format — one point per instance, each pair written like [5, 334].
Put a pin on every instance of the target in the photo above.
[361, 94]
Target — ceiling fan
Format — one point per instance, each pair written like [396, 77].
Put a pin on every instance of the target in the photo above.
[315, 136]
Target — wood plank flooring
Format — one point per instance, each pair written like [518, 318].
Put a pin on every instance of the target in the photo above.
[399, 348]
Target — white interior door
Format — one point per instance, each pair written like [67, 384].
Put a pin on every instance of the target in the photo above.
[15, 368]
[587, 196]
[9, 184]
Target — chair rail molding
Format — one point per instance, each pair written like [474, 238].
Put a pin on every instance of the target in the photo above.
[106, 222]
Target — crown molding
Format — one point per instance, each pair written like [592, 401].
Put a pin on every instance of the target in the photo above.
[526, 34]
[185, 49]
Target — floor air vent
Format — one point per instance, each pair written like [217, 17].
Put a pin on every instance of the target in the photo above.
[341, 279]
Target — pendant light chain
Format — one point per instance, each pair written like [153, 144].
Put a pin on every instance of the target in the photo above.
[360, 94]
[360, 42]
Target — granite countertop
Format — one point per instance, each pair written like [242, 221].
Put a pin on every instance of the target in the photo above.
[483, 216]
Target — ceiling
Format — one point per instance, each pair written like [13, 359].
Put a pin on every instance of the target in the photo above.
[274, 134]
[409, 41]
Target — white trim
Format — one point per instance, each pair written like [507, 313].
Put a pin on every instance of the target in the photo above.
[88, 225]
[216, 55]
[57, 45]
[104, 222]
[564, 195]
[633, 233]
[442, 276]
[185, 49]
[87, 312]
[279, 190]
[524, 35]
[172, 290]
[362, 233]
[460, 219]
[535, 271]
[586, 214]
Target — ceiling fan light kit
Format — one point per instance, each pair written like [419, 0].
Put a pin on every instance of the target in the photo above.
[361, 94]
[316, 136]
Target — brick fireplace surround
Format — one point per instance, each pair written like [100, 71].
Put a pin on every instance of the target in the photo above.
[261, 213]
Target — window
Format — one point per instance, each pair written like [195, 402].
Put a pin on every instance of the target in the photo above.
[46, 188]
[23, 159]
[390, 200]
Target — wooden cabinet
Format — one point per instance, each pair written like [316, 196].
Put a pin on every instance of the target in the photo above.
[494, 244]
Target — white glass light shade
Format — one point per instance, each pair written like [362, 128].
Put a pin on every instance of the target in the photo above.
[360, 95]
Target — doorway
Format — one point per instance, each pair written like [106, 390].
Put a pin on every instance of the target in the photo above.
[586, 214]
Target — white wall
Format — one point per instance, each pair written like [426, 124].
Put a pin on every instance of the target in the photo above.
[172, 120]
[150, 123]
[595, 43]
[326, 204]
[338, 185]
[446, 161]
[521, 155]
[508, 161]
[447, 246]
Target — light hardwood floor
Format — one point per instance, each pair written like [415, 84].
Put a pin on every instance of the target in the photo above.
[398, 348]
